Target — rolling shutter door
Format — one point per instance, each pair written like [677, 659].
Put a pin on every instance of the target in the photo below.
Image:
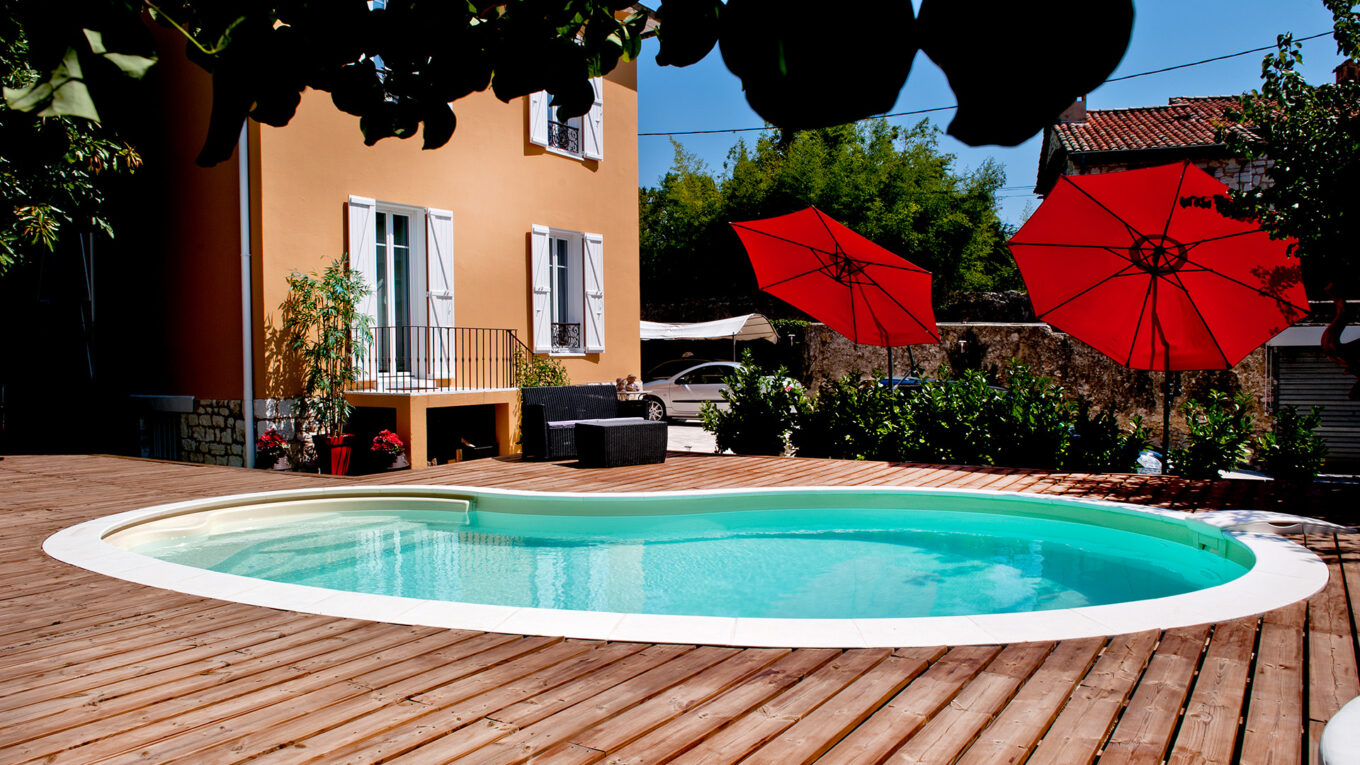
[1308, 378]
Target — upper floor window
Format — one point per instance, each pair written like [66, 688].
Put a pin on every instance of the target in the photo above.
[567, 286]
[575, 136]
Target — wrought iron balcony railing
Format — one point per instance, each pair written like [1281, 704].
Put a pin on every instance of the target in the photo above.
[566, 336]
[564, 137]
[412, 358]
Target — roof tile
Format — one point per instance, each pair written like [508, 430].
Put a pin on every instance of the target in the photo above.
[1183, 122]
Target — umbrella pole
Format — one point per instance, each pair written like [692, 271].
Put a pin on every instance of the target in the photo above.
[911, 359]
[1166, 422]
[891, 382]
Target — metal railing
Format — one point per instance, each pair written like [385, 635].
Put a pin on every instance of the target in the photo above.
[564, 137]
[566, 336]
[400, 359]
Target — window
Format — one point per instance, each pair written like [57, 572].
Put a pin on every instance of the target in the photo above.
[405, 256]
[581, 137]
[564, 132]
[567, 291]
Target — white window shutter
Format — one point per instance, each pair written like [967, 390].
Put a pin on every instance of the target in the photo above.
[540, 291]
[363, 257]
[538, 118]
[439, 280]
[592, 127]
[594, 288]
[439, 266]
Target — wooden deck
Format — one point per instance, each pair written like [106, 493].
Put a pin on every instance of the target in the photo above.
[95, 669]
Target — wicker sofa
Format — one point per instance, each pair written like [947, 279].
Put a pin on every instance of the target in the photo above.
[549, 415]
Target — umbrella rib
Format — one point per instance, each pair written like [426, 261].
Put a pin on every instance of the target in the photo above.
[1133, 344]
[1135, 232]
[795, 276]
[1175, 199]
[906, 264]
[1109, 247]
[1197, 243]
[1206, 269]
[905, 310]
[782, 238]
[1121, 272]
[1203, 322]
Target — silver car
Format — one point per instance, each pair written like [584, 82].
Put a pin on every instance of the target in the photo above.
[681, 395]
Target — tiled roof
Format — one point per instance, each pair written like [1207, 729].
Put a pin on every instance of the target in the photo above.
[1184, 122]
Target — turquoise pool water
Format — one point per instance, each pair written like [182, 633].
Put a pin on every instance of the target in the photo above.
[831, 561]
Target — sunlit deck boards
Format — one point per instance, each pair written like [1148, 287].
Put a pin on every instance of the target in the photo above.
[95, 669]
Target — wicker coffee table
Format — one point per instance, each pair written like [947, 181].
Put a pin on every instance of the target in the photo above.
[620, 442]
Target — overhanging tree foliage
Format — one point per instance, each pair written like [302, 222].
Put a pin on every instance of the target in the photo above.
[399, 64]
[53, 170]
[892, 185]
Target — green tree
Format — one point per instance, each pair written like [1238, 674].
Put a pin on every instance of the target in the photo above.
[1310, 134]
[54, 170]
[892, 185]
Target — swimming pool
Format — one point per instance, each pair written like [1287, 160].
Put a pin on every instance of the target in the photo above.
[807, 566]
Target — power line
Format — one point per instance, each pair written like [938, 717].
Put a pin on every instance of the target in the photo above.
[947, 108]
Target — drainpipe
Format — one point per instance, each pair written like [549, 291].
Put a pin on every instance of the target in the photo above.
[247, 319]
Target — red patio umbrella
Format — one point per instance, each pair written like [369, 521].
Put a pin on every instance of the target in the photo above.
[854, 286]
[1119, 262]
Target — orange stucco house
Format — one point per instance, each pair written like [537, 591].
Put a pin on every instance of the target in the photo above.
[520, 233]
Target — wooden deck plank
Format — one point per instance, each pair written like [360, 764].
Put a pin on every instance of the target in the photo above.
[456, 680]
[1016, 730]
[1092, 709]
[952, 728]
[1332, 676]
[628, 726]
[118, 708]
[684, 732]
[1208, 732]
[466, 740]
[413, 722]
[821, 730]
[532, 739]
[1275, 731]
[181, 736]
[1146, 726]
[224, 682]
[754, 729]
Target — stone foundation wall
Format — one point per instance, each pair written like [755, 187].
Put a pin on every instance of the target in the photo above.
[214, 433]
[1075, 365]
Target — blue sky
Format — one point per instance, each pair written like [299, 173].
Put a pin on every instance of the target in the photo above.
[706, 97]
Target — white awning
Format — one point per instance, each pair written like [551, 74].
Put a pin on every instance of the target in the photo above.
[752, 326]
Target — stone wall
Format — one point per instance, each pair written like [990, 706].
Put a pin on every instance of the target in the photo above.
[1236, 174]
[1075, 365]
[214, 433]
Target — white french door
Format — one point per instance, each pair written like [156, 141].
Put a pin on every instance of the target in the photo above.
[392, 236]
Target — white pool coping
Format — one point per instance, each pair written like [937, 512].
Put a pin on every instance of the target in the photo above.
[1284, 573]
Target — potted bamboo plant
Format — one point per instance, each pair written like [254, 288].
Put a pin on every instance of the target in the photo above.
[323, 325]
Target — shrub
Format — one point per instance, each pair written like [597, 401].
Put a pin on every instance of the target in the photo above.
[952, 421]
[850, 419]
[533, 371]
[1293, 452]
[1099, 445]
[1220, 429]
[1034, 420]
[760, 412]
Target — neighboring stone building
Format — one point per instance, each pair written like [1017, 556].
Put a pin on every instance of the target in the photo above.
[1108, 140]
[1087, 142]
